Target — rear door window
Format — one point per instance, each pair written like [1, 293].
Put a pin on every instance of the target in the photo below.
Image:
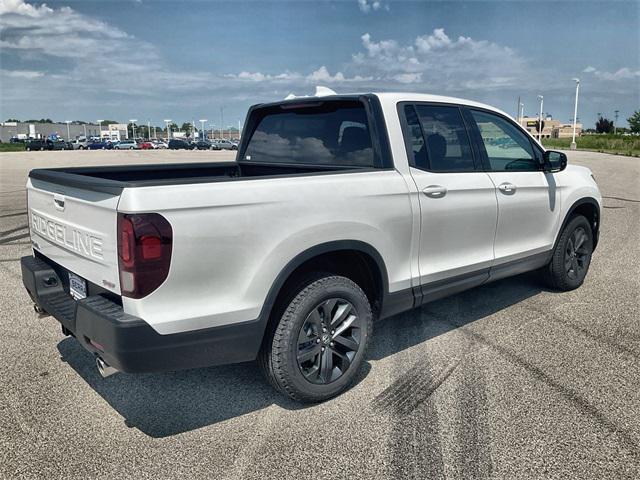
[446, 142]
[322, 133]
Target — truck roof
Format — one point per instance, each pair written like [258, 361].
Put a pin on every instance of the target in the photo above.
[395, 97]
[392, 98]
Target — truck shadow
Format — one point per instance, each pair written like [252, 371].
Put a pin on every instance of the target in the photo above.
[166, 404]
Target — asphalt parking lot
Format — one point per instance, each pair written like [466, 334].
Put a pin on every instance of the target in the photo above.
[509, 380]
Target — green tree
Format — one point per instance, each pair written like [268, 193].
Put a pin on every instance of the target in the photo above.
[186, 128]
[604, 125]
[634, 122]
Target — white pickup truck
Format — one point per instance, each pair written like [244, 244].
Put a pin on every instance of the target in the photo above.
[339, 209]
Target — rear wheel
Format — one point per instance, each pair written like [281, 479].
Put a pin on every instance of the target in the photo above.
[571, 256]
[319, 342]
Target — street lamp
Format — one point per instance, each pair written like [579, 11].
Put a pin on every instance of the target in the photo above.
[239, 128]
[68, 134]
[615, 125]
[541, 98]
[575, 114]
[521, 112]
[167, 121]
[202, 120]
[133, 126]
[221, 122]
[100, 128]
[148, 129]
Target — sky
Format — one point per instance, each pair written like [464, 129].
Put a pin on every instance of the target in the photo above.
[156, 59]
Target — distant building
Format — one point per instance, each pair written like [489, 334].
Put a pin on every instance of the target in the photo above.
[43, 130]
[552, 128]
[114, 132]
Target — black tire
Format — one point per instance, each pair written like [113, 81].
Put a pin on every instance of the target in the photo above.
[572, 256]
[334, 355]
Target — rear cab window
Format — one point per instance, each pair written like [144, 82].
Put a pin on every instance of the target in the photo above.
[332, 132]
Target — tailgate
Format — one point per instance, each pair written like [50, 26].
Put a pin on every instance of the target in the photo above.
[77, 229]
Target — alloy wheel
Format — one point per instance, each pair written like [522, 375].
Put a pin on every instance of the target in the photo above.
[328, 340]
[576, 253]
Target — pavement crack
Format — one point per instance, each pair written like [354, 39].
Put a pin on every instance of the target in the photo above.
[17, 214]
[14, 230]
[15, 237]
[622, 199]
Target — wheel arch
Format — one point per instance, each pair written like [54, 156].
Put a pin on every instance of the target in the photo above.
[588, 207]
[313, 258]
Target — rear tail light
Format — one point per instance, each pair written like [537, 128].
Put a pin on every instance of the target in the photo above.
[144, 252]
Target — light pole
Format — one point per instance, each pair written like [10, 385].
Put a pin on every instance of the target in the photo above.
[148, 129]
[167, 121]
[133, 126]
[202, 121]
[100, 128]
[85, 130]
[615, 125]
[221, 122]
[541, 98]
[521, 111]
[68, 134]
[575, 114]
[239, 128]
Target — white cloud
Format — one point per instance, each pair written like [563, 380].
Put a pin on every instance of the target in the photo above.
[435, 61]
[28, 74]
[19, 7]
[624, 73]
[437, 39]
[367, 6]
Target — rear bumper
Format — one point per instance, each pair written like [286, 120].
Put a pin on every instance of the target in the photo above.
[129, 343]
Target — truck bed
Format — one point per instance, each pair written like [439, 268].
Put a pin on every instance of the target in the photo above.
[113, 179]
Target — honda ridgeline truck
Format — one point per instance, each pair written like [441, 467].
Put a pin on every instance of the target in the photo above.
[338, 210]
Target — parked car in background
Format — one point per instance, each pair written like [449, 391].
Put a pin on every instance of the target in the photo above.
[79, 144]
[99, 145]
[146, 145]
[126, 145]
[177, 144]
[39, 144]
[159, 144]
[206, 145]
[226, 144]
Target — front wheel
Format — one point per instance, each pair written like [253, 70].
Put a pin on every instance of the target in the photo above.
[319, 342]
[571, 256]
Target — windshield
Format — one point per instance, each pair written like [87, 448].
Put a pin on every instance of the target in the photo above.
[323, 133]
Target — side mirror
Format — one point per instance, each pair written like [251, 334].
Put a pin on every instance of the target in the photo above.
[554, 161]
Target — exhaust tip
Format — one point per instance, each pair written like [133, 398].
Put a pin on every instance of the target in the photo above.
[104, 368]
[39, 310]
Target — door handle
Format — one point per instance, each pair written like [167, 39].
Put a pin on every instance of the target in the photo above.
[435, 191]
[507, 188]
